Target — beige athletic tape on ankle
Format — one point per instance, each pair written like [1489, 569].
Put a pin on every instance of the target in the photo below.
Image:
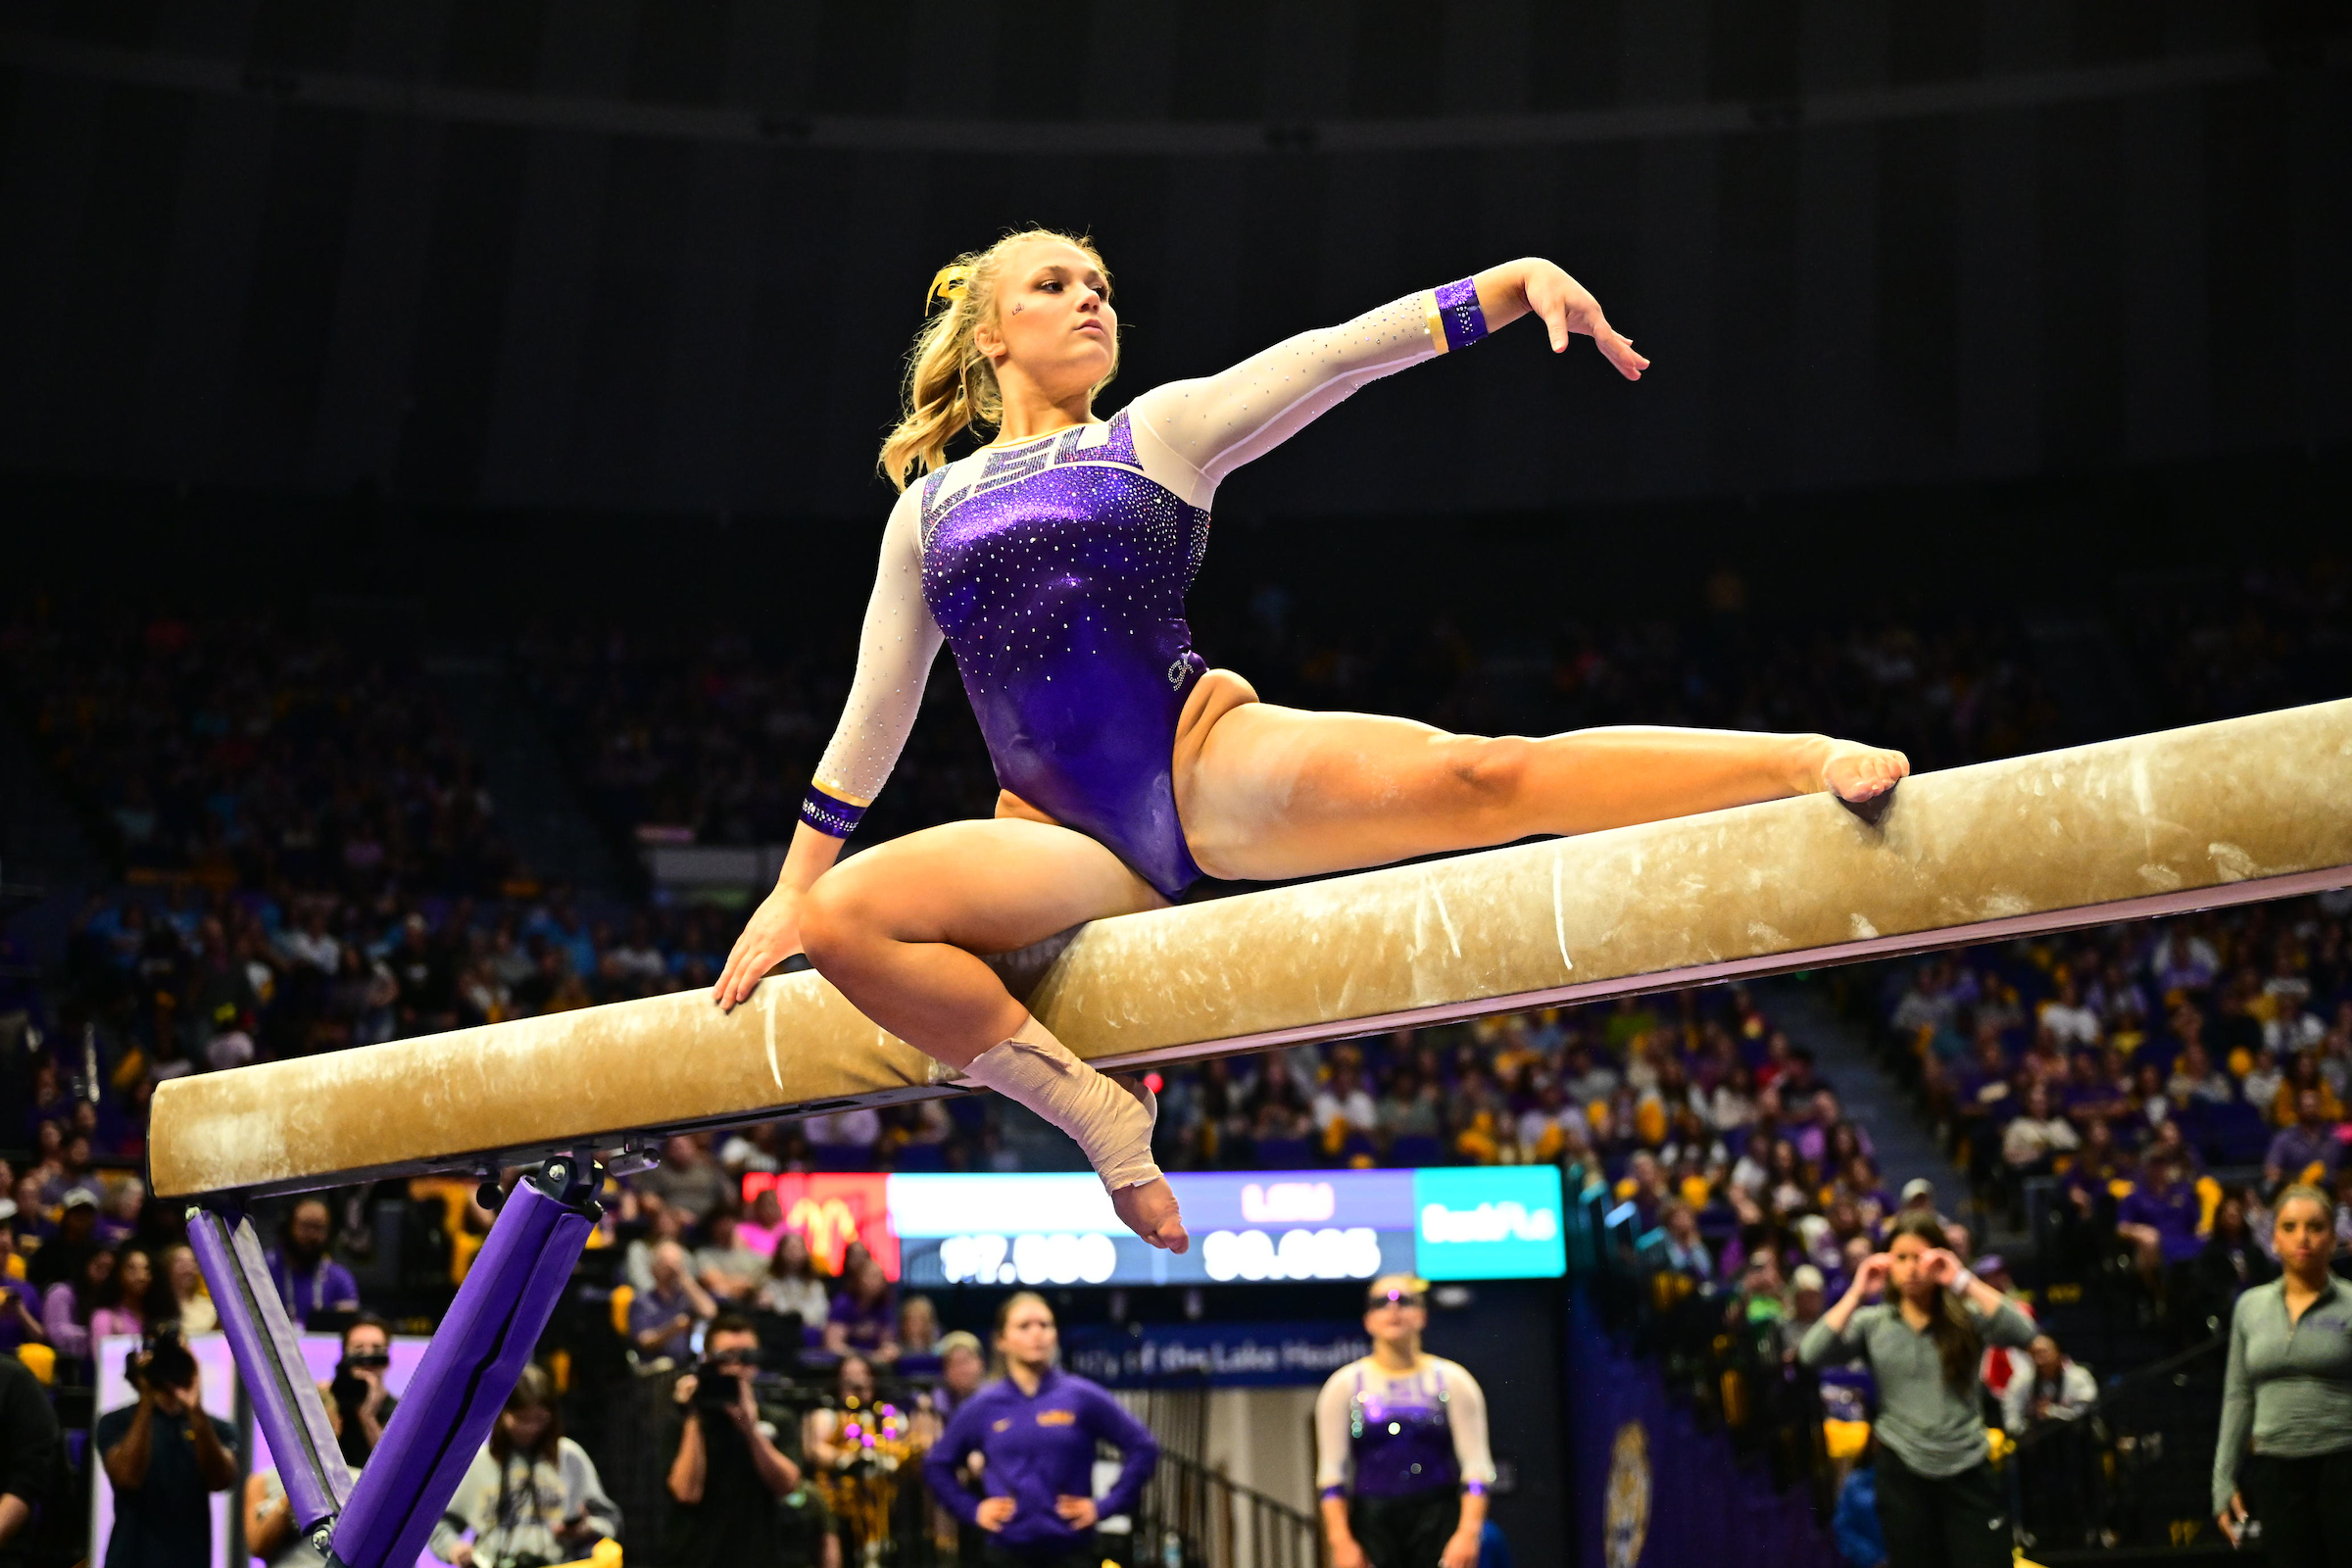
[1112, 1126]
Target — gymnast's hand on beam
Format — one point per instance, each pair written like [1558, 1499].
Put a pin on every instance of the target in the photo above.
[1568, 307]
[772, 935]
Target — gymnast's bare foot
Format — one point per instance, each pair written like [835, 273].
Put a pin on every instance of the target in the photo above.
[1855, 773]
[1149, 1210]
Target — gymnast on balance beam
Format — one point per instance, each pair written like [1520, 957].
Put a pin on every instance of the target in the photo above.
[1055, 561]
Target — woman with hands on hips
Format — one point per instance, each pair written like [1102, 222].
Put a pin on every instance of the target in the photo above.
[1401, 1457]
[1035, 1429]
[2290, 1389]
[1055, 560]
[1939, 1503]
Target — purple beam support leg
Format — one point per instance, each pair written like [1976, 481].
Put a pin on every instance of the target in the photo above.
[285, 1402]
[460, 1387]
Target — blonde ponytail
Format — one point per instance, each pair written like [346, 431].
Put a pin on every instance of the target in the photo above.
[950, 386]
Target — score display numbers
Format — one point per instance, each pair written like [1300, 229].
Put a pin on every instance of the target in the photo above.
[1249, 1227]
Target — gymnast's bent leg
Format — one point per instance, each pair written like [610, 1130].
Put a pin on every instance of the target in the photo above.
[1268, 792]
[896, 929]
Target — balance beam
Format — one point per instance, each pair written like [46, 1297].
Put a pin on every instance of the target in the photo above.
[2239, 812]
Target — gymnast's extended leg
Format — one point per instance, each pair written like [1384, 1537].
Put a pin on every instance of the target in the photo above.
[1268, 792]
[897, 930]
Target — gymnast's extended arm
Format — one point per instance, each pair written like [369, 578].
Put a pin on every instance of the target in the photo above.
[894, 653]
[1215, 424]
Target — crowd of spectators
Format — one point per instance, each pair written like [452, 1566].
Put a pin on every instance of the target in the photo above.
[712, 737]
[243, 752]
[2280, 638]
[2160, 1082]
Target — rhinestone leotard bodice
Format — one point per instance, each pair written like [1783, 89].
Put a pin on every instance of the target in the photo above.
[1057, 574]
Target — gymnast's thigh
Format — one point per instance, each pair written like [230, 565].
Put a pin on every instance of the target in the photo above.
[984, 886]
[1270, 792]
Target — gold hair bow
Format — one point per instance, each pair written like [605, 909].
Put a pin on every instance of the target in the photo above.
[948, 284]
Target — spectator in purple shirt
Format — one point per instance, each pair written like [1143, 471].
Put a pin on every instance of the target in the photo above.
[962, 1364]
[662, 1320]
[1824, 1140]
[1036, 1429]
[2309, 1142]
[2159, 1218]
[864, 1315]
[308, 1280]
[67, 1306]
[2096, 1164]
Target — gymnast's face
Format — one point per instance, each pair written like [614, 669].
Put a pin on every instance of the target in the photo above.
[1399, 1319]
[1054, 320]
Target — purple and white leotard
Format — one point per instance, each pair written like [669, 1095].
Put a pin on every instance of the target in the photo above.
[1057, 569]
[1379, 1436]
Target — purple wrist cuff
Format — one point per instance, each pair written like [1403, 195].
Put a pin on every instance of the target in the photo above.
[830, 815]
[1474, 1489]
[1457, 316]
[1333, 1492]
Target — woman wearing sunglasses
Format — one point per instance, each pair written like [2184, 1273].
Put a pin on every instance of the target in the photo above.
[1401, 1457]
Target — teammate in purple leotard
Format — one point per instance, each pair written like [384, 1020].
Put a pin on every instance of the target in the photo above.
[1053, 559]
[1401, 1459]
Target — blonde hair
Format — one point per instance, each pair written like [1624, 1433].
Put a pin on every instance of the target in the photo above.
[2304, 1193]
[950, 386]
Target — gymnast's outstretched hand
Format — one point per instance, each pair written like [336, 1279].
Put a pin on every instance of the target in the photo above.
[1568, 309]
[772, 935]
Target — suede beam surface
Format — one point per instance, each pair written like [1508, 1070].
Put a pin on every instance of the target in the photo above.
[2231, 812]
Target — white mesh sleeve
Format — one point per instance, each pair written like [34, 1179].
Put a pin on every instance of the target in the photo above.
[1215, 424]
[894, 661]
[1331, 1429]
[1466, 1415]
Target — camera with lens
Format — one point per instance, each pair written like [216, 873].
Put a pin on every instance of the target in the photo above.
[163, 1360]
[349, 1389]
[717, 1385]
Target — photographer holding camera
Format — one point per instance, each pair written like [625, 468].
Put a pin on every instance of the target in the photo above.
[356, 1403]
[165, 1456]
[727, 1479]
[357, 1409]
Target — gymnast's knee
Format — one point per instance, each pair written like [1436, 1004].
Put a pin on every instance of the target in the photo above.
[838, 923]
[1487, 774]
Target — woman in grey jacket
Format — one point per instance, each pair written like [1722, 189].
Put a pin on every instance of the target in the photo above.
[2290, 1385]
[1939, 1503]
[531, 1494]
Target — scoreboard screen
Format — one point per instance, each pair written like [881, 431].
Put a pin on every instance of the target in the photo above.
[1248, 1227]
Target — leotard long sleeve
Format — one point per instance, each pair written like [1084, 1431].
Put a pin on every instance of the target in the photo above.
[895, 651]
[1057, 569]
